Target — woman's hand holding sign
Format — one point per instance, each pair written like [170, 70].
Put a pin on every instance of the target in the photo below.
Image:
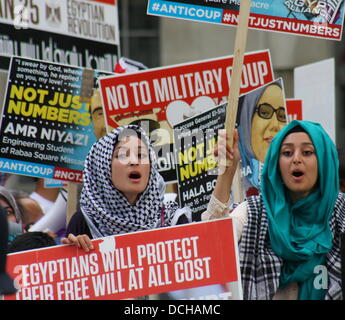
[81, 241]
[228, 158]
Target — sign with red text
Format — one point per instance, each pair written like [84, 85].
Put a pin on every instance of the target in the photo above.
[314, 18]
[294, 109]
[159, 98]
[131, 265]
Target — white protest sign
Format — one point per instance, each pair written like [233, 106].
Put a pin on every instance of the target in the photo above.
[314, 84]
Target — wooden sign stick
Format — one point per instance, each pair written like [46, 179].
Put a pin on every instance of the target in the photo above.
[235, 81]
[234, 84]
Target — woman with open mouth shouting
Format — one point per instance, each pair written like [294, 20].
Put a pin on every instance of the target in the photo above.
[289, 234]
[123, 190]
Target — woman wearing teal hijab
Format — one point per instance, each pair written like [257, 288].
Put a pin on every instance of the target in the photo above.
[299, 229]
[290, 240]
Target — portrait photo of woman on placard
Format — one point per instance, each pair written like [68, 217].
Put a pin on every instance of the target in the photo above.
[261, 114]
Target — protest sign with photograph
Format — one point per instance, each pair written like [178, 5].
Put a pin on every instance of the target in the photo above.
[257, 123]
[261, 114]
[46, 125]
[159, 98]
[131, 265]
[82, 33]
[314, 18]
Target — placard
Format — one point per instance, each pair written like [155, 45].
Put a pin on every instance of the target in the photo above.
[314, 84]
[161, 97]
[195, 139]
[46, 125]
[82, 33]
[131, 265]
[262, 114]
[320, 19]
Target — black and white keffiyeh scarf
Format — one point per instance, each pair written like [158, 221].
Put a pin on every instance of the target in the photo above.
[106, 209]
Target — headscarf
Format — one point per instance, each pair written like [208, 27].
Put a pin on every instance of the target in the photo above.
[300, 232]
[106, 209]
[7, 195]
[248, 158]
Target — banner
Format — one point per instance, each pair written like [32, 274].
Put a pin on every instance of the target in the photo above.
[46, 124]
[159, 98]
[130, 265]
[257, 123]
[83, 33]
[314, 18]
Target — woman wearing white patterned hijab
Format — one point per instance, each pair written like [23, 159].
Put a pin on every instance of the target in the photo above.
[123, 190]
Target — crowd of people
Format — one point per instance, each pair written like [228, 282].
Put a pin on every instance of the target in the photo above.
[292, 226]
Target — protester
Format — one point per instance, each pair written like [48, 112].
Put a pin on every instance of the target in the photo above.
[261, 116]
[290, 232]
[31, 240]
[3, 178]
[6, 283]
[44, 196]
[14, 229]
[8, 203]
[29, 209]
[123, 190]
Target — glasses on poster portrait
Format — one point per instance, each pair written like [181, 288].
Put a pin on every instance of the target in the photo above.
[266, 111]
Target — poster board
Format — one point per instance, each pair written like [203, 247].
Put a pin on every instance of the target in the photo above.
[320, 19]
[161, 97]
[195, 139]
[82, 33]
[314, 84]
[262, 114]
[46, 128]
[130, 265]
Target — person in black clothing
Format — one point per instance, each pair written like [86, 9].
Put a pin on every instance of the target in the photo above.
[6, 282]
[31, 240]
[78, 225]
